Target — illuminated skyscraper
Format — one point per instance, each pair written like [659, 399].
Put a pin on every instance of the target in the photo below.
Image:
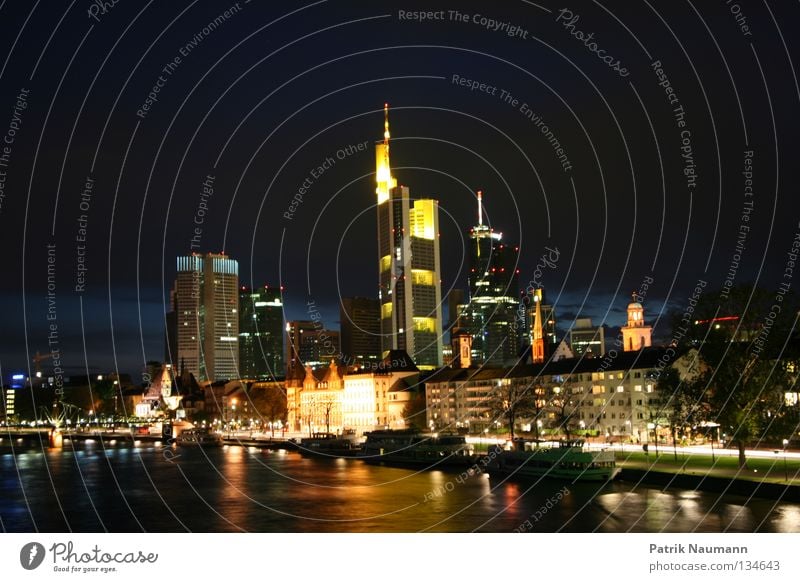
[260, 333]
[360, 324]
[205, 319]
[493, 302]
[409, 266]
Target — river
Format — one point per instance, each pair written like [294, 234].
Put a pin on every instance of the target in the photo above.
[125, 488]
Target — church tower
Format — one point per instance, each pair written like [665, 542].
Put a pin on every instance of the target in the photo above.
[636, 335]
[537, 335]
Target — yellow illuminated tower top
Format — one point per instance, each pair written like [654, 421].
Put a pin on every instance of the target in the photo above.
[383, 170]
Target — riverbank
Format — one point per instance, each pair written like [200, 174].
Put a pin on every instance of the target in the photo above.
[770, 478]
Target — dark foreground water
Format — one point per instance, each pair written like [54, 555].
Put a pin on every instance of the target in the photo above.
[125, 488]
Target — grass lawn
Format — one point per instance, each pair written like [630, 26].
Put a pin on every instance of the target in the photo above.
[758, 469]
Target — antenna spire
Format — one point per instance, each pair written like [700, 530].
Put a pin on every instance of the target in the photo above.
[383, 170]
[386, 125]
[480, 207]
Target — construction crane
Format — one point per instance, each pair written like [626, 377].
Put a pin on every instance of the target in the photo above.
[37, 359]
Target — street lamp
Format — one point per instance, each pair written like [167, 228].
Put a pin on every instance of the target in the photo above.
[652, 426]
[785, 468]
[233, 411]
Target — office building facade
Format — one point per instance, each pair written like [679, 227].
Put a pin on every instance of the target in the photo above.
[205, 321]
[587, 340]
[360, 329]
[261, 333]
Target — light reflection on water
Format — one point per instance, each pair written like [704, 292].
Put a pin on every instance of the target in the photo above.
[126, 488]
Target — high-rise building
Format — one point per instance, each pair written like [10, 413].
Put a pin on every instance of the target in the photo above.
[260, 333]
[171, 331]
[493, 302]
[221, 322]
[587, 340]
[409, 266]
[308, 344]
[184, 337]
[205, 319]
[360, 325]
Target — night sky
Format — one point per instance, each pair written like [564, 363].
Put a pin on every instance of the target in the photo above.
[261, 95]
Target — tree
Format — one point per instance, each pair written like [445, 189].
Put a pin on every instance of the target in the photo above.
[105, 395]
[320, 406]
[511, 401]
[327, 406]
[746, 393]
[680, 404]
[565, 409]
[414, 411]
[741, 335]
[270, 403]
[656, 419]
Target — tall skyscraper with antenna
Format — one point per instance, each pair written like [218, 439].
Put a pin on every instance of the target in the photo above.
[408, 265]
[493, 300]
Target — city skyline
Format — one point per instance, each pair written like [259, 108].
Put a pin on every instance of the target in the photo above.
[628, 216]
[347, 266]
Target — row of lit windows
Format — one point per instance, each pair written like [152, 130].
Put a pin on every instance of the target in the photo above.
[600, 389]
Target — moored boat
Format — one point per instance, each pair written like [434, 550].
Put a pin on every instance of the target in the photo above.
[329, 445]
[199, 436]
[410, 447]
[569, 460]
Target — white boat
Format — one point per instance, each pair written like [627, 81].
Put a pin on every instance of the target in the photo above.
[199, 436]
[568, 460]
[410, 447]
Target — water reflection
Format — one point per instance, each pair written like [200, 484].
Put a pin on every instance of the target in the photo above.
[141, 488]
